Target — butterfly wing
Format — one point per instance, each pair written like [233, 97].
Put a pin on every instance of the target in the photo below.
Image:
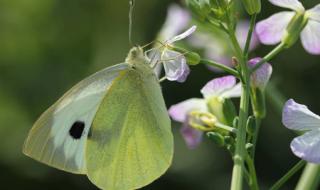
[58, 137]
[131, 143]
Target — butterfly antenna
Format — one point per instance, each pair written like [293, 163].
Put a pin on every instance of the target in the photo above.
[131, 7]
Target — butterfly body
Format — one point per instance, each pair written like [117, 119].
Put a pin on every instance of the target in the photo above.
[112, 126]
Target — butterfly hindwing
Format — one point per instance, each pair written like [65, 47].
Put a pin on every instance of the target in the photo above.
[131, 143]
[58, 138]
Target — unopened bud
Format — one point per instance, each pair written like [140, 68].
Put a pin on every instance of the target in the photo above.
[252, 6]
[199, 8]
[217, 138]
[251, 125]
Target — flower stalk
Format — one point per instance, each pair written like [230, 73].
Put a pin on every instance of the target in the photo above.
[310, 177]
[240, 150]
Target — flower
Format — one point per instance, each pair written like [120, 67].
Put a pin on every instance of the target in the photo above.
[298, 117]
[276, 28]
[260, 78]
[215, 46]
[177, 19]
[174, 62]
[221, 88]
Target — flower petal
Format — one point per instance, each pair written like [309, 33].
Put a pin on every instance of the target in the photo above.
[216, 87]
[314, 13]
[191, 136]
[307, 146]
[242, 32]
[179, 112]
[261, 76]
[271, 30]
[175, 65]
[177, 20]
[233, 92]
[310, 37]
[290, 4]
[298, 117]
[183, 35]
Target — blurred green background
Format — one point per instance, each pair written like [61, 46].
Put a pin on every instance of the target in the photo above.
[47, 46]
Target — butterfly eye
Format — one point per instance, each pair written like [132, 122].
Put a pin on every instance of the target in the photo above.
[76, 129]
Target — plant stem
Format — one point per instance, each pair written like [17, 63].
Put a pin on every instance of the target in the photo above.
[288, 175]
[253, 183]
[220, 66]
[309, 179]
[240, 151]
[269, 56]
[249, 36]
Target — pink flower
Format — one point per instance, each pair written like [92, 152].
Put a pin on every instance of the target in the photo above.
[298, 117]
[223, 87]
[272, 30]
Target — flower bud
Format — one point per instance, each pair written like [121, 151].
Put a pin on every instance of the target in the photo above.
[199, 8]
[294, 28]
[252, 6]
[251, 125]
[249, 147]
[217, 138]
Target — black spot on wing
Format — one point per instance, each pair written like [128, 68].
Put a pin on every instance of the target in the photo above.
[77, 129]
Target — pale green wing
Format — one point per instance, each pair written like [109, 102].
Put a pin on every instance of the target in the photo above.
[130, 143]
[58, 137]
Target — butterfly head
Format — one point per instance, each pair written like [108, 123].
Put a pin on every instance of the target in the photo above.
[135, 55]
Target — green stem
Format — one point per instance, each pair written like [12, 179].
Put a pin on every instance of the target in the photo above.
[220, 66]
[269, 56]
[249, 36]
[253, 183]
[310, 177]
[240, 151]
[288, 175]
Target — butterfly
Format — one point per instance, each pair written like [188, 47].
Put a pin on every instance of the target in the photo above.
[112, 126]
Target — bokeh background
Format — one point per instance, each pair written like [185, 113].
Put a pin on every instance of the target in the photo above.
[47, 46]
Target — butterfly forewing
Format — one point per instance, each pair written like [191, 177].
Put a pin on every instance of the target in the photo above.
[130, 143]
[59, 136]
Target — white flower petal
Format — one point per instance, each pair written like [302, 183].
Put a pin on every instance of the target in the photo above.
[307, 146]
[183, 35]
[177, 20]
[175, 65]
[271, 30]
[298, 117]
[179, 112]
[218, 86]
[310, 37]
[290, 4]
[233, 92]
[314, 13]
